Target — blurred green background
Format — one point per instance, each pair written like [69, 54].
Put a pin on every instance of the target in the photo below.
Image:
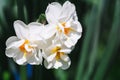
[96, 56]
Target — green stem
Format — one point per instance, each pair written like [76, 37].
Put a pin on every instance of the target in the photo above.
[23, 73]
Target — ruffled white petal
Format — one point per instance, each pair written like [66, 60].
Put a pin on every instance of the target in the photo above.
[72, 40]
[36, 59]
[33, 61]
[12, 44]
[21, 29]
[36, 31]
[65, 61]
[65, 50]
[15, 44]
[11, 52]
[75, 18]
[44, 54]
[65, 58]
[11, 39]
[77, 26]
[52, 12]
[51, 57]
[68, 43]
[50, 31]
[67, 11]
[48, 65]
[27, 48]
[20, 58]
[40, 56]
[66, 65]
[21, 61]
[57, 64]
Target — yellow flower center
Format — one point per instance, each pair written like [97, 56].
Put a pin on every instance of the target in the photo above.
[56, 49]
[58, 29]
[58, 54]
[22, 47]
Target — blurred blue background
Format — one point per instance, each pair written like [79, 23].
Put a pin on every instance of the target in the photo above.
[96, 56]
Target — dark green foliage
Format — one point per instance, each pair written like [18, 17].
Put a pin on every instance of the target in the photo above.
[96, 55]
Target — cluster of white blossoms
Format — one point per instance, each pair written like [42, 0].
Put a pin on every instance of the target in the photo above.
[51, 42]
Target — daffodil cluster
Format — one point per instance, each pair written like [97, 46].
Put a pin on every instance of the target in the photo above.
[52, 42]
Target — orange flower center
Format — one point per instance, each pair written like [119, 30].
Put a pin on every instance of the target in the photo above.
[58, 54]
[66, 30]
[22, 47]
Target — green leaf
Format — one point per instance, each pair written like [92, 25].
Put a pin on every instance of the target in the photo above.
[112, 45]
[42, 19]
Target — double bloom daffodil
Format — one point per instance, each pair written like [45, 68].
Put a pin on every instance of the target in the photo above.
[51, 42]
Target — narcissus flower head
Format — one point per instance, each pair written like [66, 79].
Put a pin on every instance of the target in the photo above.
[63, 23]
[23, 48]
[53, 41]
[56, 56]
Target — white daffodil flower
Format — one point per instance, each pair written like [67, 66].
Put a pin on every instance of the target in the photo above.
[63, 23]
[56, 56]
[24, 47]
